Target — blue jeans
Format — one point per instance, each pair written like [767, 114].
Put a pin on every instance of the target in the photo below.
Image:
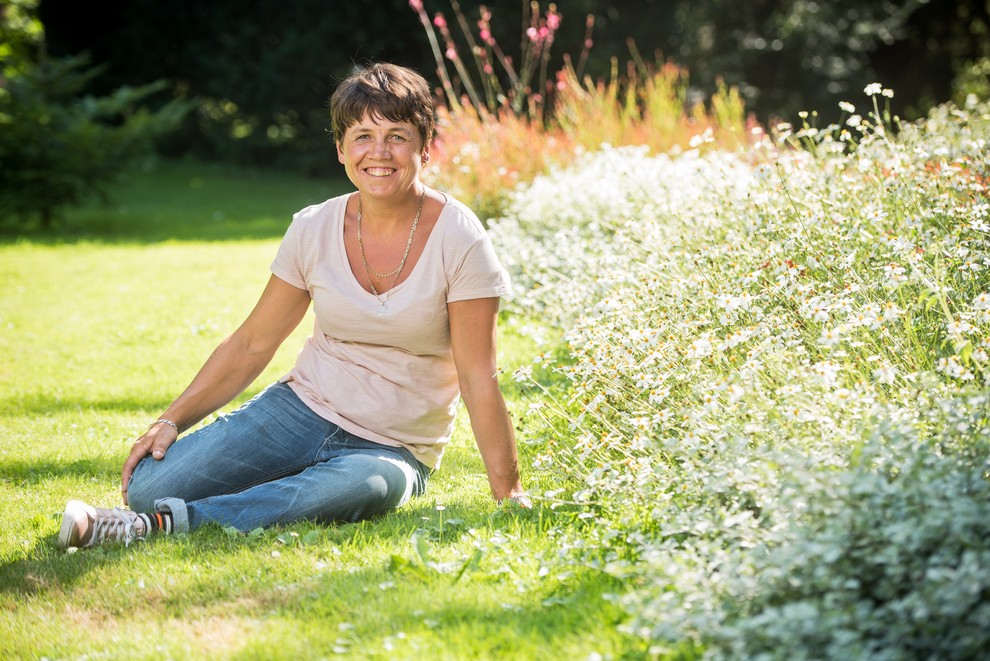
[274, 461]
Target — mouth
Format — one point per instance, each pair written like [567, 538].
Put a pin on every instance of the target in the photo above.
[380, 172]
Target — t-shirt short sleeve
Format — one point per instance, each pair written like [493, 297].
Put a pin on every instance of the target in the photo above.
[385, 373]
[478, 273]
[290, 263]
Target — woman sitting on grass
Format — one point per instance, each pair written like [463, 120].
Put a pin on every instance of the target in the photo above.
[405, 287]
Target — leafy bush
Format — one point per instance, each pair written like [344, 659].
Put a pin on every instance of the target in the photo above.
[59, 146]
[777, 365]
[888, 559]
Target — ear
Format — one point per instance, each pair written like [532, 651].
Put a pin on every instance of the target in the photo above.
[340, 154]
[425, 155]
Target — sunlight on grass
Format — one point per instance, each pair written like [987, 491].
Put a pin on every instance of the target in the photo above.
[750, 389]
[97, 336]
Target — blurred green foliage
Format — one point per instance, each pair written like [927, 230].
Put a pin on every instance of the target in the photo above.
[60, 144]
[58, 148]
[263, 70]
[20, 32]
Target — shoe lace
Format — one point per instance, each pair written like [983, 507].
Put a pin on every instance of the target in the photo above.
[117, 525]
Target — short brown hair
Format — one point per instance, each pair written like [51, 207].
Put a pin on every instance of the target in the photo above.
[385, 91]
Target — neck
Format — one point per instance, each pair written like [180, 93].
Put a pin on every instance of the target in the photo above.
[390, 213]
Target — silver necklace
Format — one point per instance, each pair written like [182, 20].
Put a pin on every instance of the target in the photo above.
[398, 270]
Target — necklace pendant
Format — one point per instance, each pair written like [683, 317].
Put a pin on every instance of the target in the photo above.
[383, 310]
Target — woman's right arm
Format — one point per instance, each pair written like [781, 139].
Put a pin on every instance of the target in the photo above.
[231, 368]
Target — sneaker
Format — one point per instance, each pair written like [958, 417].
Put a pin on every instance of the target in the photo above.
[84, 525]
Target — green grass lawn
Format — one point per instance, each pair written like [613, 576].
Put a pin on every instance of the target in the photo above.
[102, 323]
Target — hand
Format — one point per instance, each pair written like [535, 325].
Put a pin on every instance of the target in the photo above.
[155, 442]
[519, 500]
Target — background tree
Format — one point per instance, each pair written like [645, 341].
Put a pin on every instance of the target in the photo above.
[59, 144]
[792, 55]
[263, 70]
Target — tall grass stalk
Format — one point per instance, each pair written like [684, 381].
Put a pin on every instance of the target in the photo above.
[647, 106]
[505, 123]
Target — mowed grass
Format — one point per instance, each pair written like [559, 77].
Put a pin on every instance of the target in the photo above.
[102, 323]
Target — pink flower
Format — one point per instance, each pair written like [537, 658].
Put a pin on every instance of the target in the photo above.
[553, 21]
[451, 53]
[439, 21]
[486, 36]
[532, 34]
[416, 4]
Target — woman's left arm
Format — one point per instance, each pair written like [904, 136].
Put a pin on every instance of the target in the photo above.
[472, 340]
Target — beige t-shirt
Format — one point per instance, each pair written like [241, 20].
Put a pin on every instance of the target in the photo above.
[385, 375]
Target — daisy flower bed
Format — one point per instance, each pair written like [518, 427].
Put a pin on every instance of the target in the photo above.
[765, 387]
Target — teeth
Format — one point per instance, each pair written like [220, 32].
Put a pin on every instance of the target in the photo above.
[380, 172]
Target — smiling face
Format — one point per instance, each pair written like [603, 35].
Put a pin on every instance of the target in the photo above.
[382, 157]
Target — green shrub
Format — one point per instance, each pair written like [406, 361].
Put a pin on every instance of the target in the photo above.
[892, 562]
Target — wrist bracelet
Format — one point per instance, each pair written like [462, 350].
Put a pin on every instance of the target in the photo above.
[164, 421]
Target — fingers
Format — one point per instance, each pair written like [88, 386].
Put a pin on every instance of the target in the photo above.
[138, 452]
[155, 442]
[158, 440]
[520, 500]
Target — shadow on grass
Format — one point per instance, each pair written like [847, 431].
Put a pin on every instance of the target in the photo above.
[39, 404]
[183, 201]
[484, 611]
[30, 473]
[46, 566]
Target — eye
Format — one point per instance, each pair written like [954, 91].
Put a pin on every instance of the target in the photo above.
[396, 137]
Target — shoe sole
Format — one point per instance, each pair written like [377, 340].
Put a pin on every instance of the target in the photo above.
[73, 510]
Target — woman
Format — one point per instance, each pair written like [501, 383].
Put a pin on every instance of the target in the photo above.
[405, 287]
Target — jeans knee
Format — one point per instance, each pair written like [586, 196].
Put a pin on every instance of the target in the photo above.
[390, 486]
[140, 495]
[383, 494]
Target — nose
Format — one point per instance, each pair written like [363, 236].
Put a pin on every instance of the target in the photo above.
[380, 148]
